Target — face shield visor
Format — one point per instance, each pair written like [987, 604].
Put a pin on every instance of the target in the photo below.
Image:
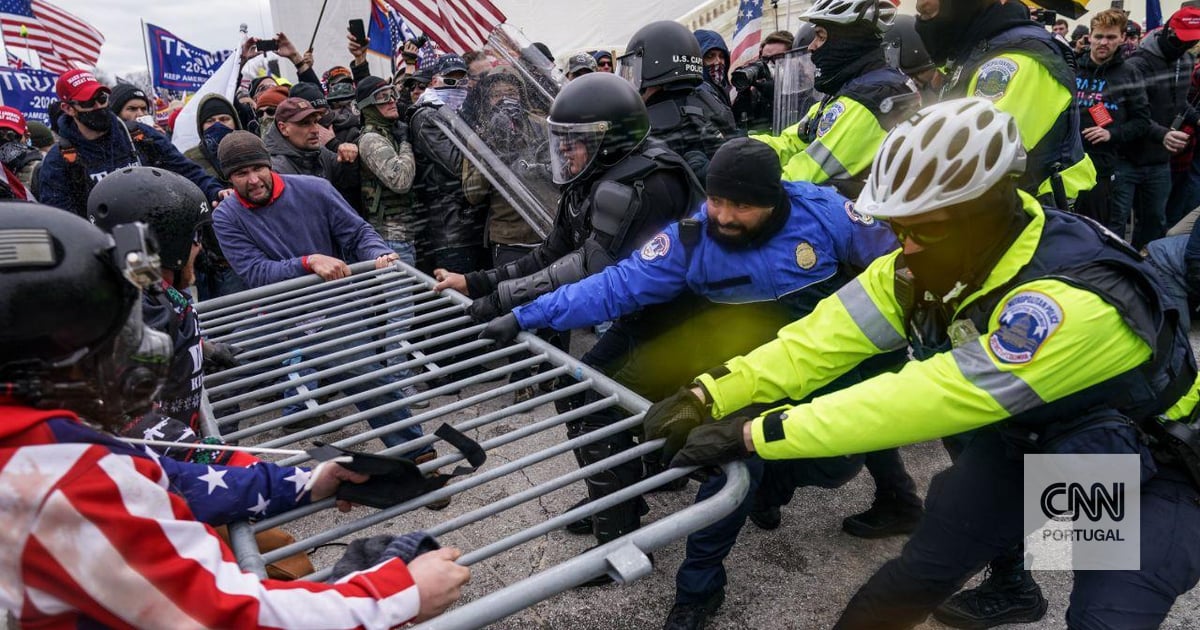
[794, 93]
[573, 148]
[629, 67]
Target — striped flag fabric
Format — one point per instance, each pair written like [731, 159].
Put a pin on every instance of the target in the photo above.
[747, 33]
[454, 25]
[61, 40]
[74, 40]
[15, 61]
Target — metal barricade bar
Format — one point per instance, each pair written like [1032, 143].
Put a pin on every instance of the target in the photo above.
[348, 367]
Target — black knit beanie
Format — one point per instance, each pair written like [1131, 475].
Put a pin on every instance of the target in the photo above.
[746, 171]
[123, 93]
[214, 106]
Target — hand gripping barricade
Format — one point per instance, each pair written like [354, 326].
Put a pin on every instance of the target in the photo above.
[305, 344]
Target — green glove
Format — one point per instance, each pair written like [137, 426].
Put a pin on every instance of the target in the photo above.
[673, 418]
[714, 443]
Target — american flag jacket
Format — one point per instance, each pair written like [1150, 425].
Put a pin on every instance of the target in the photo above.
[96, 532]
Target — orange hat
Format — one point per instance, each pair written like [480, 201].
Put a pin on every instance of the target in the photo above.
[271, 97]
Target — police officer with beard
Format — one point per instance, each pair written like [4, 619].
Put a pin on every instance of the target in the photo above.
[619, 188]
[663, 63]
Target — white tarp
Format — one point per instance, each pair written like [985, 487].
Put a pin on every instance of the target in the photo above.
[564, 26]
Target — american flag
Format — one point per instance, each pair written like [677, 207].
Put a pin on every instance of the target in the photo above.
[15, 61]
[453, 25]
[746, 33]
[61, 40]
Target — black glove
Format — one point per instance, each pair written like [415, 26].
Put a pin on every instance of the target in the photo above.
[400, 131]
[220, 356]
[486, 308]
[502, 330]
[673, 418]
[713, 444]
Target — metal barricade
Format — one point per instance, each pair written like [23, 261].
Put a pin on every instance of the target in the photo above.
[316, 348]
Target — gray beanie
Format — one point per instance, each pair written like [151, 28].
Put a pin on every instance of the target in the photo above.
[242, 148]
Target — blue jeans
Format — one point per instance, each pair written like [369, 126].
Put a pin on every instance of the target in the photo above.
[1142, 190]
[772, 483]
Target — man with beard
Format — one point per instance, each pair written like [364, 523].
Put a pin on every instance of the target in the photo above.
[836, 141]
[619, 188]
[1032, 332]
[788, 245]
[94, 142]
[993, 50]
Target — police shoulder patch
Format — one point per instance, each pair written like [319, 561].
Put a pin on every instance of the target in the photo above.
[656, 247]
[858, 217]
[1027, 320]
[806, 256]
[829, 117]
[992, 80]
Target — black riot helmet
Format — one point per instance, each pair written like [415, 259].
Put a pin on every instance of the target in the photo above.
[71, 331]
[169, 203]
[596, 119]
[903, 47]
[662, 53]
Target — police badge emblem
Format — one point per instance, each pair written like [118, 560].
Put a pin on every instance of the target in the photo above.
[806, 256]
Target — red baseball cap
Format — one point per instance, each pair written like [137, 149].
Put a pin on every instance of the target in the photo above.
[1186, 24]
[78, 85]
[12, 118]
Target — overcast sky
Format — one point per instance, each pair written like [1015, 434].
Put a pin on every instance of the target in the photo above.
[209, 24]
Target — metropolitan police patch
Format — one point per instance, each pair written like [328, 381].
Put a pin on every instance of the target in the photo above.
[994, 77]
[829, 117]
[858, 217]
[656, 247]
[1027, 321]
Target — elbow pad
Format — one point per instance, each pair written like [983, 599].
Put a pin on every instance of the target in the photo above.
[565, 270]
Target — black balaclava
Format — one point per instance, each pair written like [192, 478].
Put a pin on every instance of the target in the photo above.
[99, 119]
[843, 56]
[1170, 44]
[970, 248]
[946, 33]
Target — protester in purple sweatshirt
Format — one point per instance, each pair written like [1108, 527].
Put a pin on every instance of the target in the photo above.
[278, 227]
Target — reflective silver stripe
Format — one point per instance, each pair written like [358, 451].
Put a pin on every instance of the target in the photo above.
[1014, 394]
[825, 159]
[869, 318]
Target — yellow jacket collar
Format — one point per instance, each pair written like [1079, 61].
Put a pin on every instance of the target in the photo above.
[1019, 253]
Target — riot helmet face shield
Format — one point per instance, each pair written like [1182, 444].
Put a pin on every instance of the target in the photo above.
[128, 375]
[574, 147]
[795, 91]
[629, 67]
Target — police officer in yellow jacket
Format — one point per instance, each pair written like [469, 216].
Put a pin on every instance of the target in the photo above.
[1034, 330]
[996, 52]
[836, 141]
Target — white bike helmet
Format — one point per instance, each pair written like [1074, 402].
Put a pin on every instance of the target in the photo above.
[945, 154]
[879, 13]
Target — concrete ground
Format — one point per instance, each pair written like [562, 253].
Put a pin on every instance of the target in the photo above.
[799, 576]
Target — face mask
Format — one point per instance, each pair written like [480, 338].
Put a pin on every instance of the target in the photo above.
[212, 139]
[99, 119]
[967, 249]
[717, 74]
[451, 97]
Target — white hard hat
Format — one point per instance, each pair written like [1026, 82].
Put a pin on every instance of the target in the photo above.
[945, 154]
[880, 13]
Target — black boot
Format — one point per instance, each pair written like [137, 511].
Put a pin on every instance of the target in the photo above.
[584, 525]
[764, 515]
[693, 616]
[889, 515]
[1007, 595]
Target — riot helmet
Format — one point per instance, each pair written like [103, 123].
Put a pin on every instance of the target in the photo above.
[71, 331]
[904, 49]
[169, 203]
[596, 119]
[662, 53]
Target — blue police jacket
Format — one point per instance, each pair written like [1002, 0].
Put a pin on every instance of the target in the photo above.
[823, 239]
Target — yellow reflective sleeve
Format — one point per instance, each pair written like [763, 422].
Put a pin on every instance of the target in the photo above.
[788, 142]
[861, 320]
[1076, 178]
[1016, 83]
[1183, 407]
[848, 136]
[1046, 340]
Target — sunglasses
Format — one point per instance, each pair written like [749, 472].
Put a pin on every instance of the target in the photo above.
[99, 100]
[604, 64]
[266, 111]
[923, 234]
[452, 82]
